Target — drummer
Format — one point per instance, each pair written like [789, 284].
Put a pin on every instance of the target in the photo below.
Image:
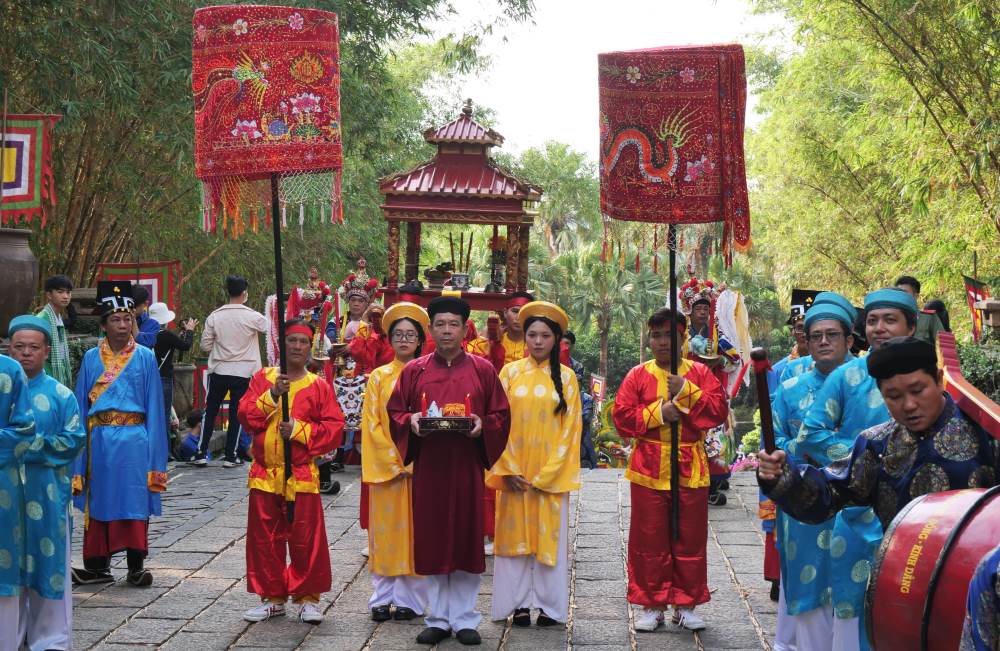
[928, 446]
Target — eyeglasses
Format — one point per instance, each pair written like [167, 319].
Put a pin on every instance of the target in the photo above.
[798, 329]
[405, 336]
[831, 336]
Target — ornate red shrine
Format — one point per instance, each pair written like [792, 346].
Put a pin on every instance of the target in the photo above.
[461, 185]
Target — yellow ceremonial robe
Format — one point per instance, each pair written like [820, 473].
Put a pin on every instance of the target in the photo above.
[544, 448]
[390, 513]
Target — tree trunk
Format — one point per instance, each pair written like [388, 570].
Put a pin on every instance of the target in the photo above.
[603, 366]
[642, 345]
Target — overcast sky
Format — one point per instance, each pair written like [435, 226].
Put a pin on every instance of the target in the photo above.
[543, 79]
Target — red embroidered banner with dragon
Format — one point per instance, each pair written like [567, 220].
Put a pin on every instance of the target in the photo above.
[266, 84]
[672, 138]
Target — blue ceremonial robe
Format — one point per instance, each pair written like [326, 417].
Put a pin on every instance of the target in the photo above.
[148, 328]
[848, 403]
[121, 457]
[889, 466]
[981, 631]
[805, 550]
[17, 430]
[59, 437]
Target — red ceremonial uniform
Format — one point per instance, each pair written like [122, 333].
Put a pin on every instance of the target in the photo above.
[448, 468]
[663, 571]
[369, 349]
[318, 429]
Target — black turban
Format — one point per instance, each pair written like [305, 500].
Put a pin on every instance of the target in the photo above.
[901, 355]
[449, 305]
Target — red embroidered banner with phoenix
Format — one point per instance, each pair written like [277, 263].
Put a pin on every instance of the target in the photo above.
[266, 84]
[672, 138]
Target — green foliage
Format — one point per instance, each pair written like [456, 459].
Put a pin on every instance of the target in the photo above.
[981, 367]
[878, 153]
[119, 73]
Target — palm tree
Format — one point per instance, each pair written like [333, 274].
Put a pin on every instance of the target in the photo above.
[609, 294]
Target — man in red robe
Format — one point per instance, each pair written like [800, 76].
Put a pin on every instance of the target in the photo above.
[448, 468]
[662, 570]
[315, 426]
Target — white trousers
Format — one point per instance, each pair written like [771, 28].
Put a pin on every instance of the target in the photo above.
[452, 601]
[400, 591]
[818, 629]
[523, 582]
[785, 637]
[36, 622]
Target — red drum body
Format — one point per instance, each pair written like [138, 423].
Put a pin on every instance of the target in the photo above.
[920, 578]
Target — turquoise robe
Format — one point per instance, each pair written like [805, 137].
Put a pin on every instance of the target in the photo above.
[122, 456]
[17, 430]
[804, 549]
[59, 437]
[848, 403]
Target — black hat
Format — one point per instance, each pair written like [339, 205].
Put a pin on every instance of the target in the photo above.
[114, 296]
[449, 304]
[802, 300]
[901, 355]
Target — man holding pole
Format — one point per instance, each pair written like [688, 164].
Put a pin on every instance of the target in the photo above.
[667, 567]
[312, 425]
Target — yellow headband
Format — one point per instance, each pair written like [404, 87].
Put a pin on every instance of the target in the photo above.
[405, 310]
[550, 311]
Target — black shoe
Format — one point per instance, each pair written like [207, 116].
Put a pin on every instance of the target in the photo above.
[404, 614]
[544, 620]
[140, 578]
[432, 635]
[199, 460]
[522, 617]
[329, 488]
[774, 590]
[381, 614]
[90, 577]
[717, 499]
[469, 637]
[336, 466]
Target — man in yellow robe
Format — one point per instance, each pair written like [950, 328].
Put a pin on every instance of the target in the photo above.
[390, 513]
[538, 469]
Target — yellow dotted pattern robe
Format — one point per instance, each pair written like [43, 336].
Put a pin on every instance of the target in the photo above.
[390, 513]
[544, 448]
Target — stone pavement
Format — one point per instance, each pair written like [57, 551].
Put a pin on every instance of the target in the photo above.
[199, 590]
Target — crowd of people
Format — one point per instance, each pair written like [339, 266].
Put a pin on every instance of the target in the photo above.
[469, 446]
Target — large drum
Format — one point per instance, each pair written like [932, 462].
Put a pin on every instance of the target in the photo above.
[918, 585]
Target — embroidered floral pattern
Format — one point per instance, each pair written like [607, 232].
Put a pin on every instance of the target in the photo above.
[632, 74]
[296, 21]
[240, 27]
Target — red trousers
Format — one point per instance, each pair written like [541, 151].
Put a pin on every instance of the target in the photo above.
[104, 538]
[772, 564]
[270, 537]
[663, 571]
[363, 507]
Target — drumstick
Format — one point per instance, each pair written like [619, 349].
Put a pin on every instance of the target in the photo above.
[761, 366]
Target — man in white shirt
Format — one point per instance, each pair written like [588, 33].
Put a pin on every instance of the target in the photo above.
[230, 338]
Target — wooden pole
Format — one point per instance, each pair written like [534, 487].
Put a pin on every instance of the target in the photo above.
[282, 362]
[760, 368]
[675, 470]
[468, 255]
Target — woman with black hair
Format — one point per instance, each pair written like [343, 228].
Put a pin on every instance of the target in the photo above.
[538, 469]
[390, 517]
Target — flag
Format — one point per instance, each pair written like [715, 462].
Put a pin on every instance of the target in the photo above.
[160, 278]
[26, 186]
[976, 291]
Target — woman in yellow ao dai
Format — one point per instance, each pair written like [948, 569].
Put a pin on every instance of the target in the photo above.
[390, 514]
[535, 474]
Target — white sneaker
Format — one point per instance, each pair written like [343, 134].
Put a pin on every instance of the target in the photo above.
[649, 620]
[364, 552]
[488, 548]
[685, 618]
[265, 611]
[310, 613]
